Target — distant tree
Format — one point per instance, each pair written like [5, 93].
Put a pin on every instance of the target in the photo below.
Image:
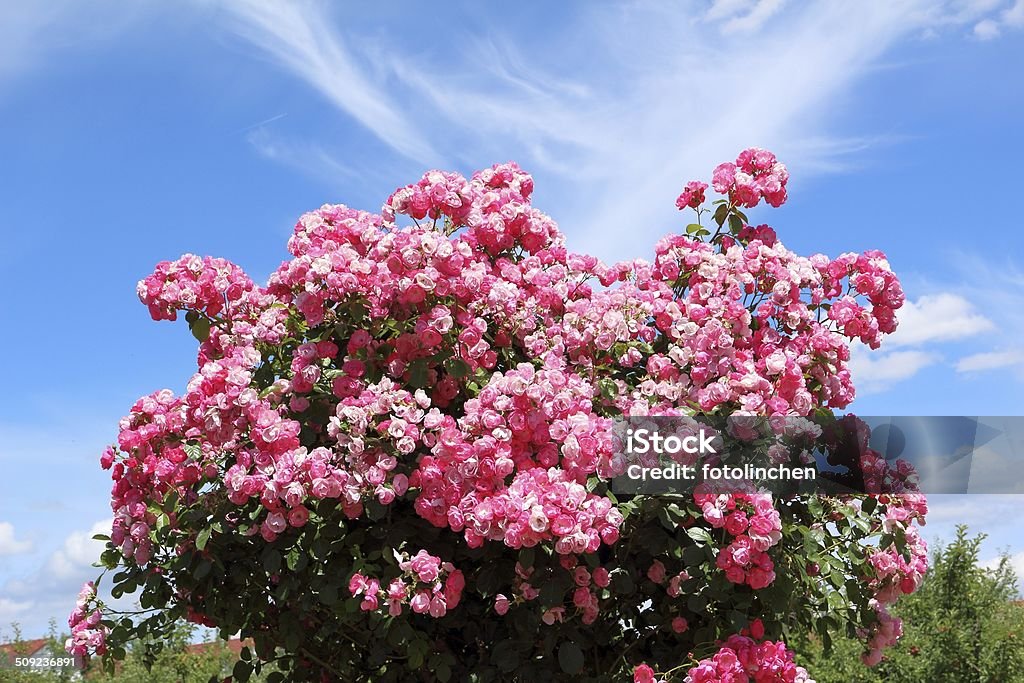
[20, 648]
[169, 659]
[963, 625]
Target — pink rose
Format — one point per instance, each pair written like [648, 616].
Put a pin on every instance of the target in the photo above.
[643, 674]
[501, 604]
[420, 602]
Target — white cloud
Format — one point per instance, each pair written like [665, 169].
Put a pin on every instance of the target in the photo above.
[724, 9]
[620, 123]
[874, 372]
[1010, 18]
[1014, 16]
[762, 11]
[974, 509]
[302, 39]
[932, 318]
[310, 158]
[937, 317]
[1016, 563]
[30, 30]
[78, 552]
[1000, 284]
[991, 360]
[13, 610]
[645, 126]
[9, 545]
[987, 29]
[50, 590]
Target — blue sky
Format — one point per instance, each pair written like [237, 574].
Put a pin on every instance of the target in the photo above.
[129, 136]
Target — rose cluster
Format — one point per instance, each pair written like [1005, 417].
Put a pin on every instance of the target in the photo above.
[88, 634]
[756, 175]
[743, 660]
[740, 659]
[450, 360]
[755, 526]
[427, 585]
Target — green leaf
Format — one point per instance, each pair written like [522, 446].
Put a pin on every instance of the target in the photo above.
[699, 534]
[110, 557]
[869, 504]
[203, 537]
[242, 670]
[720, 213]
[329, 594]
[201, 329]
[457, 368]
[693, 556]
[666, 519]
[297, 560]
[202, 569]
[418, 374]
[505, 656]
[608, 388]
[735, 224]
[622, 582]
[375, 510]
[292, 639]
[552, 593]
[570, 657]
[693, 228]
[271, 561]
[814, 507]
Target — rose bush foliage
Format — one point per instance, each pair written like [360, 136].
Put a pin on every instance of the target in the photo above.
[393, 461]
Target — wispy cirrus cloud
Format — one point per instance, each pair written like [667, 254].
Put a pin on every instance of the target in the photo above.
[309, 157]
[304, 39]
[744, 17]
[991, 360]
[615, 124]
[29, 31]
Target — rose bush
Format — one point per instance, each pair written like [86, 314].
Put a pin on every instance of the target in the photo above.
[393, 462]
